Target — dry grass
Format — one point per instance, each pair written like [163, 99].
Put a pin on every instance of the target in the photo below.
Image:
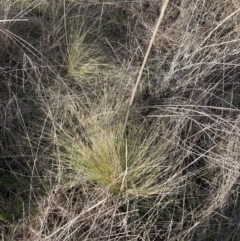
[74, 166]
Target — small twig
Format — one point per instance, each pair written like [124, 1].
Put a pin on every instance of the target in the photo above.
[13, 20]
[164, 6]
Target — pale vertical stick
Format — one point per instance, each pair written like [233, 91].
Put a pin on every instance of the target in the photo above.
[164, 6]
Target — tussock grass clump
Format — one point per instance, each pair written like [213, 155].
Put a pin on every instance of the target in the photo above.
[118, 165]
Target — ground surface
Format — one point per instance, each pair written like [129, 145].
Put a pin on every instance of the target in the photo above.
[73, 167]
